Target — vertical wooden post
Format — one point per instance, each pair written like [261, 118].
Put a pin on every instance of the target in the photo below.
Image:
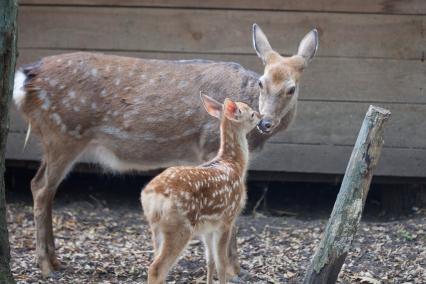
[347, 211]
[8, 12]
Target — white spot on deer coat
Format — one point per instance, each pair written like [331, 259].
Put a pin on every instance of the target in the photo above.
[94, 72]
[53, 82]
[56, 118]
[182, 84]
[71, 94]
[42, 95]
[116, 132]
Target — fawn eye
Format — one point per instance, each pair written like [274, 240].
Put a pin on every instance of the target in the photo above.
[252, 115]
[291, 90]
[260, 84]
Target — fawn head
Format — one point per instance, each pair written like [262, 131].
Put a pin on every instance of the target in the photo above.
[239, 113]
[279, 85]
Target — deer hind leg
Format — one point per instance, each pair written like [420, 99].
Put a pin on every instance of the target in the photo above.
[208, 246]
[173, 243]
[54, 167]
[221, 240]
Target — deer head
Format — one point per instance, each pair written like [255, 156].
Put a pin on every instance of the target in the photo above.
[279, 84]
[240, 114]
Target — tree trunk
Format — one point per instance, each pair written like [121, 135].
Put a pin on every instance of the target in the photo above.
[347, 211]
[8, 11]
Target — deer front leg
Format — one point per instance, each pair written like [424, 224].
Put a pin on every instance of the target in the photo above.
[221, 253]
[208, 246]
[233, 268]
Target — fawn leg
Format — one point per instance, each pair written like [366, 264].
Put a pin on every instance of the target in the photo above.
[233, 264]
[221, 253]
[173, 244]
[208, 246]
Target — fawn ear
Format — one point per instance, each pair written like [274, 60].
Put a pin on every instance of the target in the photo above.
[261, 43]
[308, 46]
[230, 109]
[213, 107]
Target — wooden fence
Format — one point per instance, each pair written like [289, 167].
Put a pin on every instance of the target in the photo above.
[370, 52]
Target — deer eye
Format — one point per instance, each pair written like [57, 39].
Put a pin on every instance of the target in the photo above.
[252, 115]
[260, 84]
[291, 90]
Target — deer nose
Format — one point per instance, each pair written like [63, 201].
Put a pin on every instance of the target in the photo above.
[265, 125]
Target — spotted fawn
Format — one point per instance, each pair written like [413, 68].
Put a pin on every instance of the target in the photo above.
[204, 201]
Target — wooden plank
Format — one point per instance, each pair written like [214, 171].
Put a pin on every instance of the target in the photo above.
[327, 159]
[15, 148]
[347, 6]
[292, 158]
[333, 123]
[336, 79]
[218, 31]
[337, 123]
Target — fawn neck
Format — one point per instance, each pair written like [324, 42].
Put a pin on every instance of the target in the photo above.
[233, 144]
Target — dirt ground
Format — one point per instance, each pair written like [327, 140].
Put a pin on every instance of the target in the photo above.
[103, 242]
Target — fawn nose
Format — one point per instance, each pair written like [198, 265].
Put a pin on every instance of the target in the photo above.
[265, 125]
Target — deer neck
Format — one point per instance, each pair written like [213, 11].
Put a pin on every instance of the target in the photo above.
[233, 145]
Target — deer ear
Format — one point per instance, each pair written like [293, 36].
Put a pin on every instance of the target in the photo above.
[260, 43]
[213, 107]
[230, 109]
[308, 46]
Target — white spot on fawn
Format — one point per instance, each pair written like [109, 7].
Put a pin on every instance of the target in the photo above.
[94, 72]
[117, 82]
[103, 93]
[71, 94]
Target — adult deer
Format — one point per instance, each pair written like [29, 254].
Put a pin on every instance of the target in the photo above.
[138, 114]
[204, 201]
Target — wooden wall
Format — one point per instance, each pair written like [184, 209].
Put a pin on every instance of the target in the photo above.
[370, 52]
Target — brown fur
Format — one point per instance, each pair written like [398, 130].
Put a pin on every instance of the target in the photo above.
[203, 200]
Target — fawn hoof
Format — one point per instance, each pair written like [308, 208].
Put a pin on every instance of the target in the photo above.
[232, 271]
[242, 277]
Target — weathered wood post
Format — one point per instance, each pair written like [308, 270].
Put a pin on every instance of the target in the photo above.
[8, 11]
[347, 211]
